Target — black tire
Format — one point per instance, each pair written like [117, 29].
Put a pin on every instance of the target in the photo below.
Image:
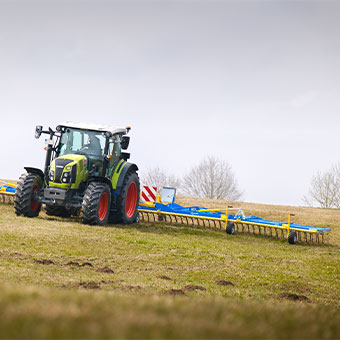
[56, 210]
[127, 201]
[230, 228]
[292, 237]
[96, 204]
[25, 200]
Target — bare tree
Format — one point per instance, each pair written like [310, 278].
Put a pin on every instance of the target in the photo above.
[336, 171]
[325, 189]
[212, 178]
[159, 178]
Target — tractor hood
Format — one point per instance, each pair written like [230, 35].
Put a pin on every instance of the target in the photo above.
[68, 171]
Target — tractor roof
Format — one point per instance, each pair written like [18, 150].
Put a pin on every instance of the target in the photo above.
[96, 127]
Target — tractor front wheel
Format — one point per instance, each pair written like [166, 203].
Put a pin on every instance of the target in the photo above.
[96, 204]
[26, 201]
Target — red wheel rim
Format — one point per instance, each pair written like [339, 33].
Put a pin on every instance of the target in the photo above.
[131, 199]
[103, 206]
[34, 202]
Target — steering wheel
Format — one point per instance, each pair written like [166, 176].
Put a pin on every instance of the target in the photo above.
[85, 146]
[81, 152]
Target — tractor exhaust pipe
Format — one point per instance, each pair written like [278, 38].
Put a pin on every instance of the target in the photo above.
[49, 148]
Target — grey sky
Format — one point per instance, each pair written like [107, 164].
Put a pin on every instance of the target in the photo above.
[255, 83]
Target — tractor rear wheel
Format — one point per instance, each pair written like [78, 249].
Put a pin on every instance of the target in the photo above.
[59, 211]
[96, 204]
[127, 201]
[26, 201]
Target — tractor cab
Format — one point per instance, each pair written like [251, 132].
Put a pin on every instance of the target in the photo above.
[89, 143]
[84, 151]
[97, 148]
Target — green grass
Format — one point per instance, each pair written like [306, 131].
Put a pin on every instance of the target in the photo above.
[150, 293]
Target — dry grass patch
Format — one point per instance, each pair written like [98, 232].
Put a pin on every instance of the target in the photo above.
[91, 313]
[163, 281]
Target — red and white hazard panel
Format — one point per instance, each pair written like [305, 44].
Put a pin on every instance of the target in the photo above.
[149, 194]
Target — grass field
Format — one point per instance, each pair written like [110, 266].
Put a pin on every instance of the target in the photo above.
[62, 279]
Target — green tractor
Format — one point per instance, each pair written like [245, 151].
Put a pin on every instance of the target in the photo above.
[85, 173]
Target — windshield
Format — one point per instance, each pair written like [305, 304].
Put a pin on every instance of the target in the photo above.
[88, 143]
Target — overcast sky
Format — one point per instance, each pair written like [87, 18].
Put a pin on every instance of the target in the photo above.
[255, 83]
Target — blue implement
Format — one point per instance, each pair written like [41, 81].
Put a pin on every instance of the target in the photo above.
[7, 192]
[216, 215]
[6, 189]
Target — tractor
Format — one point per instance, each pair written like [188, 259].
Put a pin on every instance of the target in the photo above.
[86, 173]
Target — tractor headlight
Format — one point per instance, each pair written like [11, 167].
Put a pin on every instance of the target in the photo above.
[66, 177]
[51, 175]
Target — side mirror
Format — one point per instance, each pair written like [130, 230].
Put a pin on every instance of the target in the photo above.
[38, 130]
[125, 142]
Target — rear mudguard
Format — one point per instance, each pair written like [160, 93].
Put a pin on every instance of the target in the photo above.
[119, 175]
[127, 167]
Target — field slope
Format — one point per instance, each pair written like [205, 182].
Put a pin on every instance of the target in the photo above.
[61, 279]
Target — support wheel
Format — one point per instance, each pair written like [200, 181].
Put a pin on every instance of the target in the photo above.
[230, 228]
[292, 237]
[96, 204]
[26, 200]
[127, 201]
